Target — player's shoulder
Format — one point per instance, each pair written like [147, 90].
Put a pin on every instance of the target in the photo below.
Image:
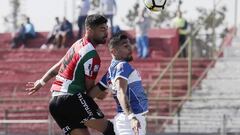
[83, 47]
[124, 65]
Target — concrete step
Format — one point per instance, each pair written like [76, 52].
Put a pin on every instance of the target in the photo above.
[216, 98]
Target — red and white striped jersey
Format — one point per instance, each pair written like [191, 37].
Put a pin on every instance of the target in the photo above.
[81, 61]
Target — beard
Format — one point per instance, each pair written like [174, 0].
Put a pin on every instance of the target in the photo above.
[100, 40]
[128, 59]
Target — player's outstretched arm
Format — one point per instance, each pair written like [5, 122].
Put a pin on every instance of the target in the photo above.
[122, 85]
[32, 87]
[98, 92]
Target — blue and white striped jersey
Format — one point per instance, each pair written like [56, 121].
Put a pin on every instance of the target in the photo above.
[135, 91]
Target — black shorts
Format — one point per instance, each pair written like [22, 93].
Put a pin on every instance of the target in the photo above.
[71, 111]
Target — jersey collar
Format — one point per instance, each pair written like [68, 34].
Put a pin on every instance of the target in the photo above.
[86, 41]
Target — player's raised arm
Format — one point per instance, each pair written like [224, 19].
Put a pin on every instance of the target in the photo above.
[32, 87]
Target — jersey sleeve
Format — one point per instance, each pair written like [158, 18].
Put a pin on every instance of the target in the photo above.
[91, 67]
[123, 70]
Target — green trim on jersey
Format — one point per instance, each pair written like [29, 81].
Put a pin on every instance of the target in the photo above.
[78, 83]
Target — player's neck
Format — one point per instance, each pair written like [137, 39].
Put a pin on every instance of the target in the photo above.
[116, 58]
[90, 39]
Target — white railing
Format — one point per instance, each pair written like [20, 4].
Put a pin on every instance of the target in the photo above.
[221, 124]
[5, 123]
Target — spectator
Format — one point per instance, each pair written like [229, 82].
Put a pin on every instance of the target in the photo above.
[142, 41]
[182, 25]
[84, 8]
[52, 36]
[116, 30]
[24, 33]
[109, 9]
[65, 34]
[18, 37]
[29, 31]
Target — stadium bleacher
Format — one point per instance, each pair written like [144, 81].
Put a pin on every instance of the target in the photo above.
[19, 66]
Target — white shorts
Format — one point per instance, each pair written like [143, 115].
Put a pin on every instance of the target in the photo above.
[122, 124]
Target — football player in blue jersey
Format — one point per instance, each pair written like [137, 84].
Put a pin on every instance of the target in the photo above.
[126, 86]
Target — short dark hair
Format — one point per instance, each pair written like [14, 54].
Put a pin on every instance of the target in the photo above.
[116, 40]
[95, 20]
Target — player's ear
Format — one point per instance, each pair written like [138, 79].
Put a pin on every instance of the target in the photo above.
[113, 51]
[88, 29]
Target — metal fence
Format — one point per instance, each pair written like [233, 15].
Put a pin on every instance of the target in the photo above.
[8, 127]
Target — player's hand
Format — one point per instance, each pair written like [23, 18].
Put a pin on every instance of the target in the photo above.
[135, 124]
[32, 87]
